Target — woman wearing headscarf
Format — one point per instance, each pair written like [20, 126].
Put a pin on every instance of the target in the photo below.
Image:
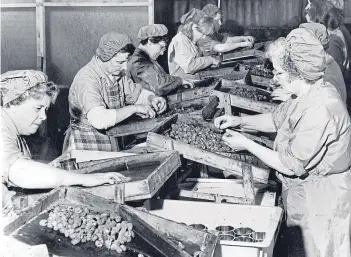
[324, 12]
[312, 149]
[184, 56]
[222, 40]
[26, 96]
[101, 96]
[143, 66]
[332, 73]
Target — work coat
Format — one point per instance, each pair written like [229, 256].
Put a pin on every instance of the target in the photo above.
[150, 75]
[185, 59]
[314, 141]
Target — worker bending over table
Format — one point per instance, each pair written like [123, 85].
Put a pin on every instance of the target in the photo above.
[143, 66]
[102, 96]
[312, 149]
[222, 43]
[26, 96]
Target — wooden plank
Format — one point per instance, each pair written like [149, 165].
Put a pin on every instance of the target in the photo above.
[180, 231]
[41, 42]
[18, 5]
[198, 155]
[95, 4]
[242, 54]
[249, 191]
[151, 10]
[268, 143]
[137, 189]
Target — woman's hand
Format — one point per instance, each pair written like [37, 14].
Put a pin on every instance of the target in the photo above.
[227, 121]
[158, 103]
[280, 94]
[144, 111]
[188, 84]
[249, 39]
[98, 179]
[235, 140]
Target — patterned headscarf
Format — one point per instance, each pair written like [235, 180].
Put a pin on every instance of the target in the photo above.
[16, 83]
[153, 30]
[319, 31]
[307, 53]
[194, 15]
[110, 44]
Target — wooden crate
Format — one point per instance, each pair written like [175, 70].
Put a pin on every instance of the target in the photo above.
[155, 236]
[236, 55]
[158, 140]
[226, 99]
[202, 88]
[148, 172]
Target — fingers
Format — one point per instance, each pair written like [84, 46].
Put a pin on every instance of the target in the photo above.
[219, 120]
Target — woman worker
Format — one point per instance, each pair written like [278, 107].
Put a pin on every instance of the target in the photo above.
[332, 73]
[26, 96]
[312, 149]
[224, 42]
[101, 96]
[184, 56]
[324, 12]
[143, 67]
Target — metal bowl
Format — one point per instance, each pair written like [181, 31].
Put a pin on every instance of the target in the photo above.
[243, 239]
[225, 230]
[226, 237]
[244, 231]
[198, 226]
[258, 236]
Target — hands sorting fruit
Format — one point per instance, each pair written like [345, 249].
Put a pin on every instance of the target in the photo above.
[83, 225]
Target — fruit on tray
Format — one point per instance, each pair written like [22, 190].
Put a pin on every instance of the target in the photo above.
[252, 94]
[82, 225]
[180, 110]
[206, 139]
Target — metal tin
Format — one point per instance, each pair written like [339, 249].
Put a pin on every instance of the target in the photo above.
[244, 231]
[258, 236]
[226, 237]
[243, 239]
[198, 226]
[225, 230]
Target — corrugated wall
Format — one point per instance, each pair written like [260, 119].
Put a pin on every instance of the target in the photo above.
[249, 12]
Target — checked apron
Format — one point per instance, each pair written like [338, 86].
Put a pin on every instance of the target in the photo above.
[86, 137]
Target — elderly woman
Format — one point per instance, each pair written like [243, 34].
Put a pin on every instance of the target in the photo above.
[143, 67]
[184, 56]
[224, 42]
[332, 74]
[26, 96]
[312, 150]
[101, 96]
[324, 12]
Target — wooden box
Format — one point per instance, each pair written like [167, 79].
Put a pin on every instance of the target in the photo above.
[227, 99]
[148, 172]
[202, 88]
[154, 236]
[235, 55]
[157, 139]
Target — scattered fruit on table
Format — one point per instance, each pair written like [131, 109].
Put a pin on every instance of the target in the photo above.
[83, 225]
[252, 94]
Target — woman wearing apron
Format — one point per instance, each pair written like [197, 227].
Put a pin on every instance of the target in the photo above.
[312, 152]
[26, 96]
[101, 96]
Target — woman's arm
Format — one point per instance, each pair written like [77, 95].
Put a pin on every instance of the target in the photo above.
[226, 47]
[29, 174]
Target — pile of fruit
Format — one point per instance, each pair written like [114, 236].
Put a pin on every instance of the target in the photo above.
[252, 94]
[180, 110]
[206, 139]
[262, 72]
[83, 225]
[201, 137]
